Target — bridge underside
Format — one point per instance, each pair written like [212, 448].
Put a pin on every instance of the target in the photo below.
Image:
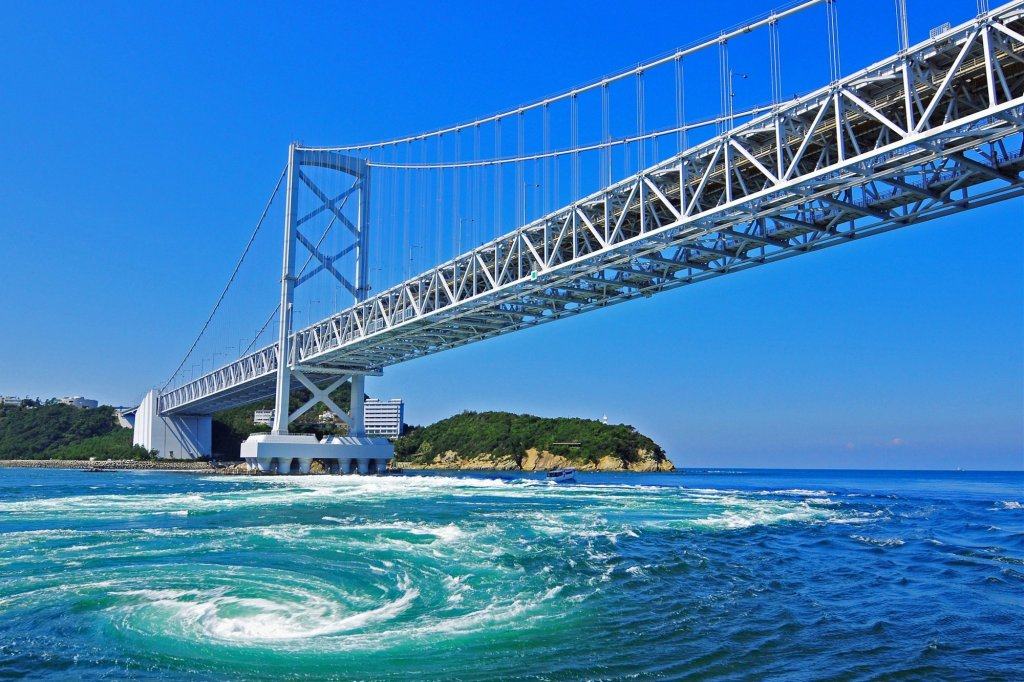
[245, 392]
[926, 134]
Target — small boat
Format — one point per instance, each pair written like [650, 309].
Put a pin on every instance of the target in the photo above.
[567, 475]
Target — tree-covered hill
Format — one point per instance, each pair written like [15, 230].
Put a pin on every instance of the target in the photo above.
[511, 435]
[64, 432]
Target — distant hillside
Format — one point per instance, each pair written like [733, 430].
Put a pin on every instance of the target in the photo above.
[501, 440]
[64, 432]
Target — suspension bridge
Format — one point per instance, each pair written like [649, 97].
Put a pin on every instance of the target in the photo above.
[601, 194]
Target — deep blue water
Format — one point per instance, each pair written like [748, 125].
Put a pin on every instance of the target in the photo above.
[722, 574]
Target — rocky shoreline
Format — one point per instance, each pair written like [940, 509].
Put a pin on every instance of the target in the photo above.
[111, 464]
[535, 460]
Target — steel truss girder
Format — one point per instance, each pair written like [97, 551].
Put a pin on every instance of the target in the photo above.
[932, 124]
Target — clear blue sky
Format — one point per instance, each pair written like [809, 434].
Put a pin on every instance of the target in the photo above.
[140, 140]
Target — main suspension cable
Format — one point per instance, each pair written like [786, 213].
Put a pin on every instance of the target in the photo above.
[572, 151]
[231, 279]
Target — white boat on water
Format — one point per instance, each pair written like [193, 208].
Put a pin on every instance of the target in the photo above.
[567, 475]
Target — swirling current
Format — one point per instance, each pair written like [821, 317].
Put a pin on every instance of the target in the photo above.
[736, 574]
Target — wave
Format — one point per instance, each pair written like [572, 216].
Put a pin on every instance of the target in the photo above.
[721, 508]
[801, 492]
[447, 533]
[319, 564]
[227, 613]
[878, 542]
[433, 575]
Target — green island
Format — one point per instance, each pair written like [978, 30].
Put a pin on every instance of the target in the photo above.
[470, 440]
[506, 441]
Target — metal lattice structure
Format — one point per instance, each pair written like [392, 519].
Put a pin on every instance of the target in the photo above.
[934, 130]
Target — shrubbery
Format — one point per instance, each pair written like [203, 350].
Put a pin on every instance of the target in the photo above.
[114, 445]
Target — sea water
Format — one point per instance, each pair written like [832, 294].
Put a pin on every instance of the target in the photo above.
[723, 574]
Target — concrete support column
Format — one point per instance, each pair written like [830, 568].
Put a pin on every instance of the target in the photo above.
[264, 464]
[364, 465]
[284, 465]
[173, 436]
[304, 464]
[356, 409]
[382, 466]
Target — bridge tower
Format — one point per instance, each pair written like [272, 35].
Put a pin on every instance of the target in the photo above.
[279, 450]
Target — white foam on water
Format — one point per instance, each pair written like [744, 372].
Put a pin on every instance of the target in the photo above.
[740, 515]
[552, 592]
[456, 587]
[289, 614]
[878, 542]
[492, 615]
[283, 532]
[1008, 504]
[446, 533]
[801, 492]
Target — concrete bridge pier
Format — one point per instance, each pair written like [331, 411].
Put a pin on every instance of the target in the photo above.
[347, 454]
[173, 436]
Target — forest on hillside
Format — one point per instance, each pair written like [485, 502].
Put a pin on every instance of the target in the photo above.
[58, 431]
[507, 434]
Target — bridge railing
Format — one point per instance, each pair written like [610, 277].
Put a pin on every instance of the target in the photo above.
[254, 366]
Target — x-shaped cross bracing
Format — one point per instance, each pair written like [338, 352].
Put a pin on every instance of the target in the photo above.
[320, 395]
[336, 206]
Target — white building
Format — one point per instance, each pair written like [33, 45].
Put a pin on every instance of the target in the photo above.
[12, 400]
[79, 401]
[383, 418]
[265, 417]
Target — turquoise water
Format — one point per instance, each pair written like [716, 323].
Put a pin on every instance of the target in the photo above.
[723, 574]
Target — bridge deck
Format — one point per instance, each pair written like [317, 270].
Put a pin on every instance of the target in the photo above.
[910, 139]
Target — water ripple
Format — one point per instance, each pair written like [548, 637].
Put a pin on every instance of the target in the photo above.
[477, 577]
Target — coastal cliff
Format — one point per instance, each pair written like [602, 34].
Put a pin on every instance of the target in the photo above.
[520, 442]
